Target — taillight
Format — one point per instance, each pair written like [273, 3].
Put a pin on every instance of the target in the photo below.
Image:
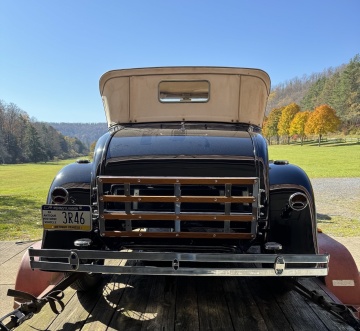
[59, 195]
[298, 201]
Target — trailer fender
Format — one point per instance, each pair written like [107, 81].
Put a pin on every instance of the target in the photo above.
[35, 281]
[343, 279]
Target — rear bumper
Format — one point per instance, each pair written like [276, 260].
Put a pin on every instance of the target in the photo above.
[181, 264]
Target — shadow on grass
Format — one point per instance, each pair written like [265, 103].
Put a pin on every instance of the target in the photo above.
[341, 144]
[323, 218]
[324, 143]
[13, 207]
[314, 143]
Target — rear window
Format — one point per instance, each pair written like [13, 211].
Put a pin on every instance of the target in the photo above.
[184, 91]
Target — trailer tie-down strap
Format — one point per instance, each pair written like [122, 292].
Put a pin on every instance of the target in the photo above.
[31, 307]
[35, 305]
[339, 310]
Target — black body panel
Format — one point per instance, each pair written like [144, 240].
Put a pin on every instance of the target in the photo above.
[221, 150]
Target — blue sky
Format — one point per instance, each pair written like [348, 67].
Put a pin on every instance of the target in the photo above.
[53, 52]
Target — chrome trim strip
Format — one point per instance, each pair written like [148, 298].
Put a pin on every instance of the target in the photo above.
[75, 260]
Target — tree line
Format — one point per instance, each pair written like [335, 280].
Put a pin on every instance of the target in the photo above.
[88, 133]
[288, 114]
[339, 88]
[23, 140]
[289, 121]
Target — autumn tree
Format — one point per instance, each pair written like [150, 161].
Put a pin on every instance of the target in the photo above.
[322, 121]
[270, 125]
[298, 124]
[286, 118]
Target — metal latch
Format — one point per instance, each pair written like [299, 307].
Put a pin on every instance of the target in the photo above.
[175, 264]
[279, 265]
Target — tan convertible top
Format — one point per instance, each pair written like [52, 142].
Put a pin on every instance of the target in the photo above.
[205, 94]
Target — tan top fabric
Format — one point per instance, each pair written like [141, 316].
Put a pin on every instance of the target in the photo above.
[235, 95]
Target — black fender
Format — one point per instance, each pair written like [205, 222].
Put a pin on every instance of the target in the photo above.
[79, 179]
[295, 230]
[100, 152]
[262, 166]
[76, 179]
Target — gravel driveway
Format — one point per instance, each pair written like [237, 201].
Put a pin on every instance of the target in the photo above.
[337, 196]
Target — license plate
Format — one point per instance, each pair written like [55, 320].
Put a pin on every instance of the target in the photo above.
[62, 217]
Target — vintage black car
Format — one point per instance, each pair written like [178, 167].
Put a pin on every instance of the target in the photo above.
[181, 184]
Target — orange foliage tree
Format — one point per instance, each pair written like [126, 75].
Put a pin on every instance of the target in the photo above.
[298, 124]
[270, 124]
[322, 121]
[286, 118]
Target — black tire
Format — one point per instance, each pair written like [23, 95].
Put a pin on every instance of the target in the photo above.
[86, 282]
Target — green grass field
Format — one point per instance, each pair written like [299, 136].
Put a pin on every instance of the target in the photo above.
[326, 161]
[24, 187]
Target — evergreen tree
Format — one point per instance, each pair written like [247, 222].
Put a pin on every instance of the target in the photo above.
[352, 84]
[35, 150]
[4, 156]
[310, 99]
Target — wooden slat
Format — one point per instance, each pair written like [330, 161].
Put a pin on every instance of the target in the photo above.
[180, 303]
[259, 289]
[213, 309]
[178, 180]
[245, 313]
[46, 318]
[322, 314]
[192, 199]
[133, 304]
[212, 235]
[187, 308]
[112, 292]
[167, 303]
[11, 248]
[11, 254]
[162, 304]
[173, 217]
[78, 310]
[296, 309]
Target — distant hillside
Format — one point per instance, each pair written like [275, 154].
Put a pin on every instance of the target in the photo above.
[85, 132]
[297, 89]
[337, 87]
[23, 140]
